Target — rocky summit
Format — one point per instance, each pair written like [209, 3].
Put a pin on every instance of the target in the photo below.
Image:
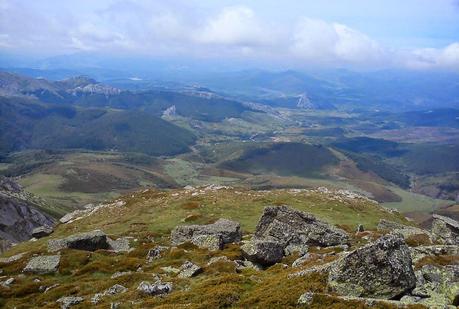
[239, 252]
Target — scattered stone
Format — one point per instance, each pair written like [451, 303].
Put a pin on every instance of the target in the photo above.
[211, 242]
[263, 252]
[301, 249]
[12, 259]
[302, 259]
[445, 230]
[47, 288]
[89, 241]
[189, 269]
[217, 259]
[244, 264]
[42, 231]
[405, 230]
[69, 301]
[8, 282]
[322, 268]
[306, 298]
[114, 305]
[43, 264]
[289, 226]
[119, 245]
[419, 252]
[360, 228]
[154, 289]
[381, 270]
[170, 270]
[229, 231]
[116, 289]
[156, 253]
[120, 274]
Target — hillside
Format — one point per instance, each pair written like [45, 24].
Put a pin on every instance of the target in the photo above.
[27, 124]
[143, 221]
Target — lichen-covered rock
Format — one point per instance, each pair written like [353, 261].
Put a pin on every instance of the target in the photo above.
[89, 241]
[445, 230]
[229, 231]
[211, 242]
[405, 230]
[380, 270]
[189, 269]
[42, 231]
[154, 289]
[419, 252]
[121, 244]
[43, 264]
[263, 252]
[69, 301]
[306, 298]
[156, 253]
[289, 226]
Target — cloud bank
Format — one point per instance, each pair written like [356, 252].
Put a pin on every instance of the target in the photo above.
[175, 28]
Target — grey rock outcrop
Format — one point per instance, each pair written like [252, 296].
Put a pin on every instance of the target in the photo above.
[154, 289]
[289, 226]
[189, 269]
[69, 301]
[42, 231]
[445, 230]
[263, 252]
[405, 230]
[229, 231]
[382, 269]
[156, 253]
[43, 264]
[89, 241]
[19, 212]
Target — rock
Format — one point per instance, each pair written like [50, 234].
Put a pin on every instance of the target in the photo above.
[445, 230]
[306, 298]
[217, 259]
[120, 274]
[119, 245]
[116, 289]
[303, 259]
[44, 288]
[42, 231]
[43, 264]
[156, 253]
[301, 249]
[419, 252]
[188, 270]
[405, 230]
[360, 228]
[380, 270]
[263, 252]
[229, 231]
[154, 289]
[170, 270]
[89, 241]
[69, 301]
[289, 226]
[244, 264]
[12, 259]
[115, 305]
[8, 282]
[211, 242]
[436, 286]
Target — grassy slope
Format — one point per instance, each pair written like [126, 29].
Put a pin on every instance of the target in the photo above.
[152, 214]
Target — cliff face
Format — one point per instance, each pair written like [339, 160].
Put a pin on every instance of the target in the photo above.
[19, 214]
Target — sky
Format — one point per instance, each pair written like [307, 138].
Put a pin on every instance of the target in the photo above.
[414, 34]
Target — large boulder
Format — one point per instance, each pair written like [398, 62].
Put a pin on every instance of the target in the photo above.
[263, 252]
[382, 269]
[445, 229]
[42, 231]
[43, 264]
[229, 231]
[89, 241]
[289, 226]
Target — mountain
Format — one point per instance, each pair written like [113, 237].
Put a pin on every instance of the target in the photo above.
[28, 124]
[20, 212]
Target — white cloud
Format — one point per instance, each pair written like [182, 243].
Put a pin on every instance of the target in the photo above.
[176, 28]
[236, 25]
[319, 41]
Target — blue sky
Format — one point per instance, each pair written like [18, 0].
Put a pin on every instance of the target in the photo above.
[418, 34]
